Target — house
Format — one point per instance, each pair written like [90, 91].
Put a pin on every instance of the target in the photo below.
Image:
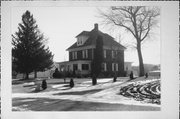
[128, 67]
[81, 54]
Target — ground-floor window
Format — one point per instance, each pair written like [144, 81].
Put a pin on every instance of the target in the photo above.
[104, 67]
[85, 66]
[114, 66]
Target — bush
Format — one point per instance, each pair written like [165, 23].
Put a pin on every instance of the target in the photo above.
[94, 80]
[56, 74]
[71, 83]
[78, 75]
[131, 75]
[115, 78]
[69, 74]
[101, 75]
[146, 75]
[44, 84]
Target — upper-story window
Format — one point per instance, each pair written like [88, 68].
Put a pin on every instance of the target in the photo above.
[104, 52]
[116, 52]
[113, 54]
[104, 67]
[81, 40]
[85, 54]
[74, 55]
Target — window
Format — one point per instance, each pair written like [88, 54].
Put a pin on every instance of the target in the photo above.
[85, 54]
[104, 53]
[79, 41]
[114, 66]
[74, 55]
[85, 66]
[113, 54]
[104, 67]
[116, 53]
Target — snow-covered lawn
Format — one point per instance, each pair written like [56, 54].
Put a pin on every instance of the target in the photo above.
[106, 91]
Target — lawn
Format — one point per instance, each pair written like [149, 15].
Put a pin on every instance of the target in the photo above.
[105, 96]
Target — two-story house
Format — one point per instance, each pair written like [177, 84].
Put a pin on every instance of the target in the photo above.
[81, 54]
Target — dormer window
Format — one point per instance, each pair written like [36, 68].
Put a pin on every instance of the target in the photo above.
[81, 40]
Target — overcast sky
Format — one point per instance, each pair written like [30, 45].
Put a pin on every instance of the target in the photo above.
[61, 24]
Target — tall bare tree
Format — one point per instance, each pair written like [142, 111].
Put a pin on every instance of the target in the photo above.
[138, 20]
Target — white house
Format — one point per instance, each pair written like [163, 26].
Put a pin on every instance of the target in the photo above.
[128, 67]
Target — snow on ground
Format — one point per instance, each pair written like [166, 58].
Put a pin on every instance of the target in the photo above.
[105, 91]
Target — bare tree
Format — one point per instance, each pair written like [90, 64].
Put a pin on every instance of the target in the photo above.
[138, 20]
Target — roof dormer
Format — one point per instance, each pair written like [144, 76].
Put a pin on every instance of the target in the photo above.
[81, 40]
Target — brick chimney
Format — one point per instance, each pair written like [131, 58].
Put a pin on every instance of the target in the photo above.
[96, 26]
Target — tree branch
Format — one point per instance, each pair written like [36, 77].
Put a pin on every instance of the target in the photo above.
[148, 29]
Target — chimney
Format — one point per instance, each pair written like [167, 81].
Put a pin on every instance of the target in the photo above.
[96, 26]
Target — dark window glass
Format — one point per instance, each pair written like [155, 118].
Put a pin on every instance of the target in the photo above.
[85, 67]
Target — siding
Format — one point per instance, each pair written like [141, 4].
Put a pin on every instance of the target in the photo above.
[119, 58]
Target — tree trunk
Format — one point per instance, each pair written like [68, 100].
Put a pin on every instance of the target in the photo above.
[35, 74]
[27, 76]
[141, 64]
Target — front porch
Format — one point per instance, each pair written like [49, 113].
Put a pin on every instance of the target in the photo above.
[80, 67]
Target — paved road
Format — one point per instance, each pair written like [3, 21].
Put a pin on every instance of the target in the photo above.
[45, 104]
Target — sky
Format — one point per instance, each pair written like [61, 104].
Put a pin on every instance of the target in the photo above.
[62, 24]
